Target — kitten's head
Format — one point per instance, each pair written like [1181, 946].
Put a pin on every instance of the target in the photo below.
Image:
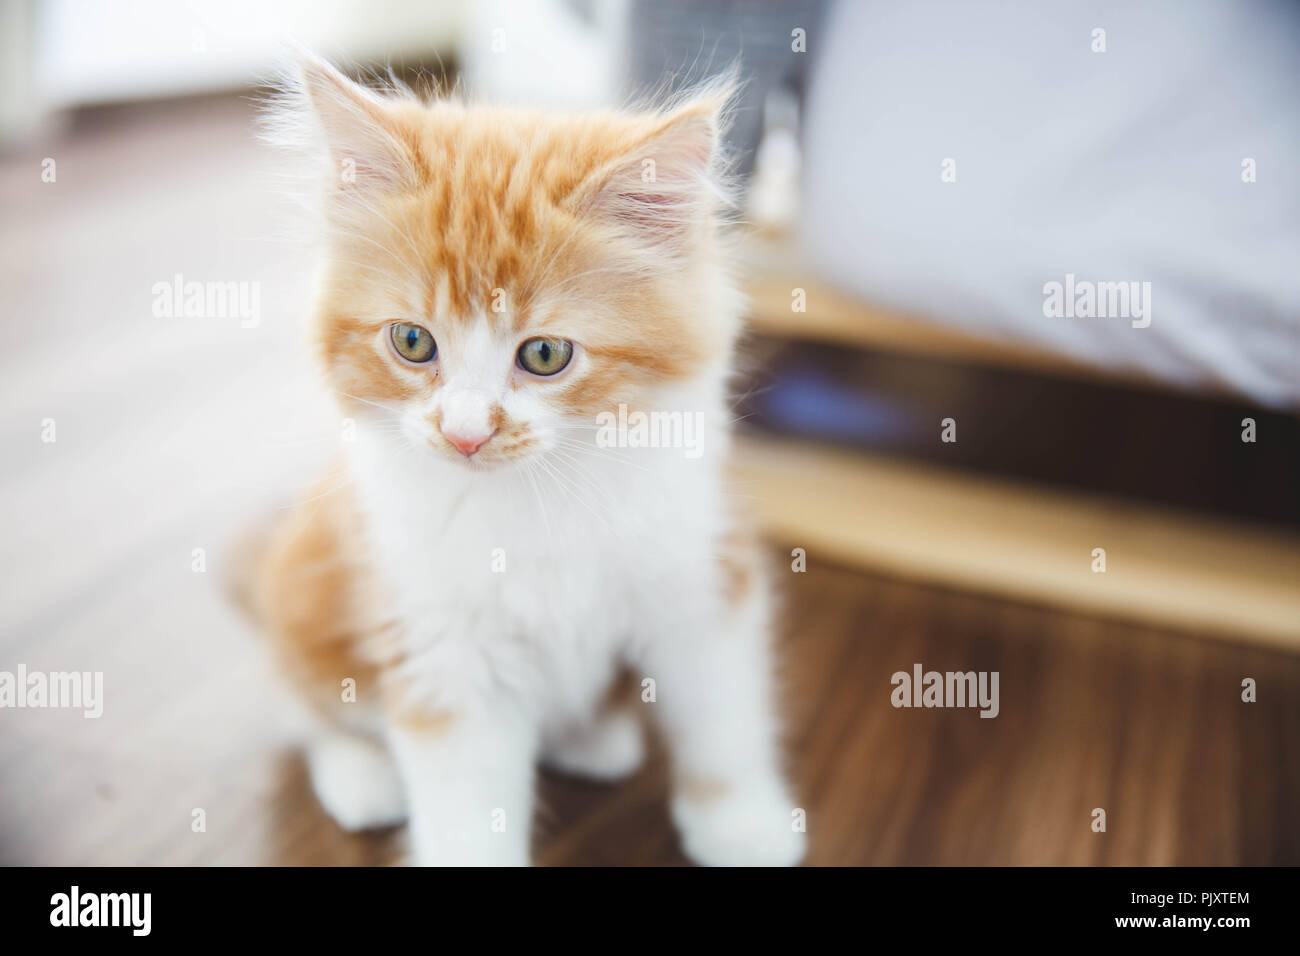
[496, 278]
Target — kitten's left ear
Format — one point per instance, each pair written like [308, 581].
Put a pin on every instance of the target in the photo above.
[671, 182]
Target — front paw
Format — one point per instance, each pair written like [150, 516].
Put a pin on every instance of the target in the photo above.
[355, 780]
[738, 825]
[434, 843]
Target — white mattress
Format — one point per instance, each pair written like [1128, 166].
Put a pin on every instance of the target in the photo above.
[1116, 166]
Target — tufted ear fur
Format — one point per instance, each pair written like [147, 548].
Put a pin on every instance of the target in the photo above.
[362, 139]
[670, 183]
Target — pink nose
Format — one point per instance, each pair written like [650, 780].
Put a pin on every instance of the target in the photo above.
[466, 442]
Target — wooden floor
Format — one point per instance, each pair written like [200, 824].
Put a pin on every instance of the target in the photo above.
[173, 433]
[1146, 725]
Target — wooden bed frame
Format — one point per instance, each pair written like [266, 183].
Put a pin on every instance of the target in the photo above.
[1020, 541]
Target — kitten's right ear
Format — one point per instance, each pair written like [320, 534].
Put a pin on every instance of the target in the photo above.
[360, 130]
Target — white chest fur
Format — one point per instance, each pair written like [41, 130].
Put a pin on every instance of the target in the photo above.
[531, 581]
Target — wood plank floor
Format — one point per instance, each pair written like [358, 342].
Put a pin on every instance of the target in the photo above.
[172, 434]
[1148, 726]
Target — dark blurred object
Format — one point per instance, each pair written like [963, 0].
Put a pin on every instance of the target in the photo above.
[1167, 448]
[689, 42]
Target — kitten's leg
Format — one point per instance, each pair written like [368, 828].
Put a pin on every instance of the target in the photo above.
[469, 784]
[301, 589]
[355, 779]
[714, 700]
[608, 747]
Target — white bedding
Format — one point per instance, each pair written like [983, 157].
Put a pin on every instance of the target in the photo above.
[1116, 166]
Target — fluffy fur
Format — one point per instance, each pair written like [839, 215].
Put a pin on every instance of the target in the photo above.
[484, 604]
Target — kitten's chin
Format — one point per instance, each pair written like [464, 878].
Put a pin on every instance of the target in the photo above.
[485, 464]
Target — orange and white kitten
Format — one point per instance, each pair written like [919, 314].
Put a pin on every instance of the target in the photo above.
[498, 287]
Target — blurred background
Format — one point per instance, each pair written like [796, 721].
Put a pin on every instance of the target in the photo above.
[1097, 496]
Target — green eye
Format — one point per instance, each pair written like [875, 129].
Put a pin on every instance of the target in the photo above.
[413, 343]
[545, 356]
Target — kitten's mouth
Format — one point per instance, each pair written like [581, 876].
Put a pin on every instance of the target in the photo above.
[497, 452]
[479, 461]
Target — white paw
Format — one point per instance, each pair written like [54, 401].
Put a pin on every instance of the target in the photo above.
[437, 841]
[609, 748]
[750, 827]
[356, 781]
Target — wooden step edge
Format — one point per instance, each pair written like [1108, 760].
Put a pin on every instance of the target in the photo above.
[1165, 568]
